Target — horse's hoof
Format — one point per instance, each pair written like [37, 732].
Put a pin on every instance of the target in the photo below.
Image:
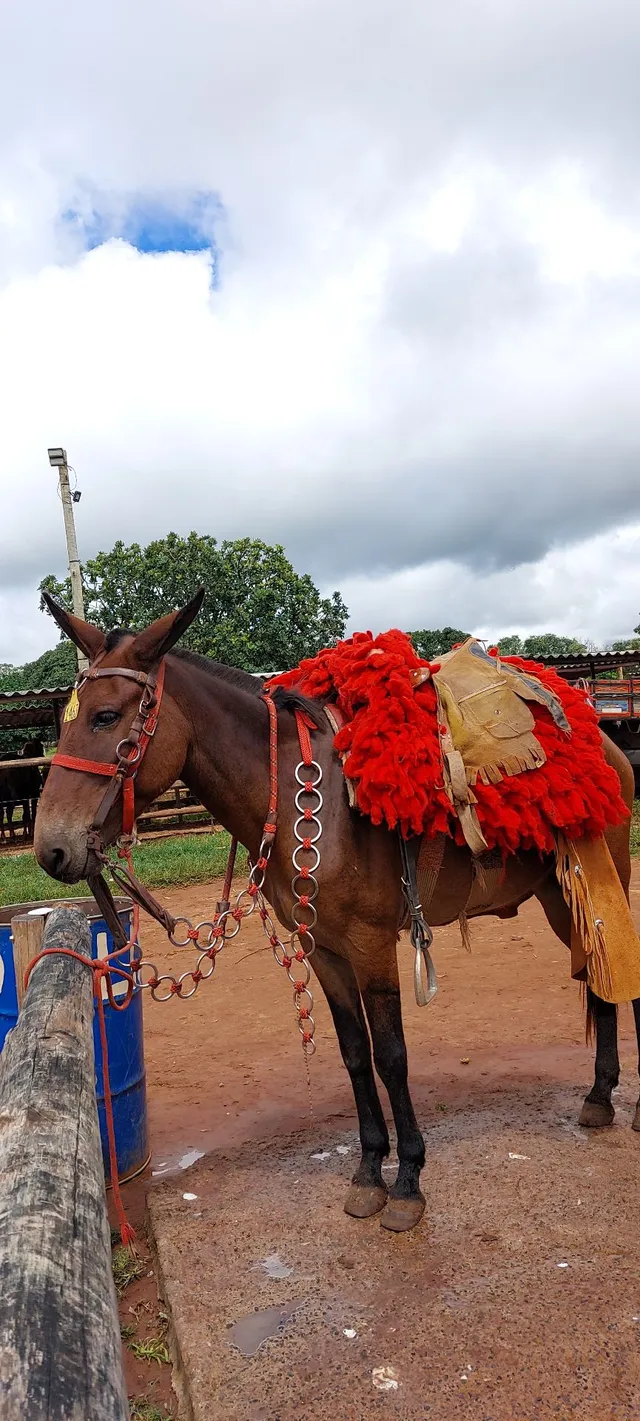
[635, 1124]
[594, 1115]
[402, 1214]
[365, 1200]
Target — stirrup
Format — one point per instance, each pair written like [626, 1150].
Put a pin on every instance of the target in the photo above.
[421, 934]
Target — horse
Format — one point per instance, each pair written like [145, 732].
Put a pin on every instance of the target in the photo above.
[212, 732]
[21, 785]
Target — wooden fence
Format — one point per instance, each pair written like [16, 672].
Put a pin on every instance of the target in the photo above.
[175, 811]
[59, 1331]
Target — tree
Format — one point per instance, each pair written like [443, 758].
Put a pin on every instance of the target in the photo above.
[510, 646]
[258, 613]
[544, 644]
[431, 644]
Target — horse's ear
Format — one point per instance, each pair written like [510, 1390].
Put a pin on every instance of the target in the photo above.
[89, 639]
[155, 641]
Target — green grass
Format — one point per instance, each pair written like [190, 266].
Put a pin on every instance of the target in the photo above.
[193, 858]
[126, 1267]
[142, 1410]
[168, 863]
[152, 1349]
[635, 828]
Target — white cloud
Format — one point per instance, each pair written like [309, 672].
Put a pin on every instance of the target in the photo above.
[420, 371]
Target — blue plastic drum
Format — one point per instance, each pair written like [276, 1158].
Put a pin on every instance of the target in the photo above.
[124, 1036]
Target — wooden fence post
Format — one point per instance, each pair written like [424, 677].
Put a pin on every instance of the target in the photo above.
[60, 1347]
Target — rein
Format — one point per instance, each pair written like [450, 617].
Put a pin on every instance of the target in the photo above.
[227, 919]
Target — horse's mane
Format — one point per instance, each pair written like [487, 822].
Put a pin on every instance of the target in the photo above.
[289, 700]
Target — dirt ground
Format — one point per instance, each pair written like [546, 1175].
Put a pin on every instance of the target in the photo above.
[519, 1294]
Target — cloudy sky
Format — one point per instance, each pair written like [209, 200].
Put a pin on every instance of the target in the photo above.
[360, 278]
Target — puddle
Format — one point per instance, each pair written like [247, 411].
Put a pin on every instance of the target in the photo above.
[190, 1158]
[249, 1333]
[274, 1267]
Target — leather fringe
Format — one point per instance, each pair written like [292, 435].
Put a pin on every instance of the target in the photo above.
[464, 931]
[511, 765]
[589, 928]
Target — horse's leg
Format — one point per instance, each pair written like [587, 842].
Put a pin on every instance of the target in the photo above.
[597, 1109]
[381, 997]
[636, 1014]
[368, 1192]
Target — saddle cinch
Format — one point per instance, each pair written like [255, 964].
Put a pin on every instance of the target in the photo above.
[489, 732]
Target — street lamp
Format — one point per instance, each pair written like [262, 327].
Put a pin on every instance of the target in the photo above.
[58, 460]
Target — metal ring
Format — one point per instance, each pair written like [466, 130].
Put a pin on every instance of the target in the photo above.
[299, 848]
[154, 990]
[174, 940]
[145, 963]
[306, 770]
[306, 908]
[300, 966]
[297, 997]
[309, 793]
[206, 923]
[310, 882]
[308, 824]
[135, 755]
[310, 1047]
[304, 1024]
[204, 957]
[191, 993]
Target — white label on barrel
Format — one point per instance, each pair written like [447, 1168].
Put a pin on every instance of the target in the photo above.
[119, 986]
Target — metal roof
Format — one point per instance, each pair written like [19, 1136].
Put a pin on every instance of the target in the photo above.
[586, 660]
[51, 693]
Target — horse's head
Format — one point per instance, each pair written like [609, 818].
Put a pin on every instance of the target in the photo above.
[96, 728]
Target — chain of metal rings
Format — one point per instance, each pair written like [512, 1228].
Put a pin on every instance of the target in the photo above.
[295, 959]
[304, 886]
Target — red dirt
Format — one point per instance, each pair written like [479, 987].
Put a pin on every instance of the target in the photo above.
[506, 1031]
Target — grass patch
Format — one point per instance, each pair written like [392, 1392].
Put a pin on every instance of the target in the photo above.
[192, 858]
[152, 1349]
[168, 863]
[126, 1267]
[143, 1410]
[635, 828]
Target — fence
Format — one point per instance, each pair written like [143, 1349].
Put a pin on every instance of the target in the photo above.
[175, 811]
[59, 1332]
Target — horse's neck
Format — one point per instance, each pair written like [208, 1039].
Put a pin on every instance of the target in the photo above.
[227, 759]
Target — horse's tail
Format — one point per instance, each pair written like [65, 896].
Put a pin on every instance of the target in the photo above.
[590, 1013]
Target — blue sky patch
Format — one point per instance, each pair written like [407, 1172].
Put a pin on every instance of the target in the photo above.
[150, 224]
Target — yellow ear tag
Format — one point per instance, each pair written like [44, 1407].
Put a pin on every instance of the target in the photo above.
[73, 706]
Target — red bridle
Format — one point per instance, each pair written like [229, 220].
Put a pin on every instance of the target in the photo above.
[129, 752]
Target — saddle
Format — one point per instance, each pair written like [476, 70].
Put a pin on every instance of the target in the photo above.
[486, 726]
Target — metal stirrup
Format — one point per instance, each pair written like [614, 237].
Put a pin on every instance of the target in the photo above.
[421, 934]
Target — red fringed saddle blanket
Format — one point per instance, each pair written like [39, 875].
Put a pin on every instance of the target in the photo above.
[405, 727]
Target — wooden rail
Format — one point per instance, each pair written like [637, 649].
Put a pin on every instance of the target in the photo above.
[59, 1333]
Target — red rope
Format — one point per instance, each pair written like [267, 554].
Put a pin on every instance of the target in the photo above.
[103, 968]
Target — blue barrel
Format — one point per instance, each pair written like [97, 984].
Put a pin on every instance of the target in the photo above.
[124, 1035]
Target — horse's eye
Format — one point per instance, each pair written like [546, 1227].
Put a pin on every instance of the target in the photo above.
[103, 719]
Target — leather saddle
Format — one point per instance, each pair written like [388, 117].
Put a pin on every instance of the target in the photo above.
[488, 727]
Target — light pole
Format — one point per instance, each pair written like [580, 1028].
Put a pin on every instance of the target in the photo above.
[58, 460]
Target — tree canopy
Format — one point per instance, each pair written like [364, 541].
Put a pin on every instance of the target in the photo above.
[544, 644]
[259, 613]
[430, 644]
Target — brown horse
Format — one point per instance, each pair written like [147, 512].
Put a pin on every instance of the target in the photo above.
[212, 732]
